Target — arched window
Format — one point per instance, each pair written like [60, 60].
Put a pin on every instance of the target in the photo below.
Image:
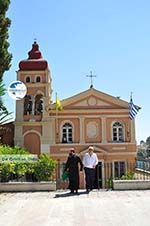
[117, 132]
[28, 79]
[38, 79]
[27, 105]
[67, 133]
[38, 104]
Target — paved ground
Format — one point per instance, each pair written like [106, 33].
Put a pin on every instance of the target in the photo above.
[99, 208]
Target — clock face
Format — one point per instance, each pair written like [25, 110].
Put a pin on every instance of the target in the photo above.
[17, 90]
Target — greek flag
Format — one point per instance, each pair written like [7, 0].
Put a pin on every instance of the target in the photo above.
[133, 109]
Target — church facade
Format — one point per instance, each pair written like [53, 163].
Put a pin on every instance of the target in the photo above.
[88, 118]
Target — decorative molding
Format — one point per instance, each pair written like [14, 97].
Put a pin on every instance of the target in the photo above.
[119, 148]
[92, 101]
[91, 130]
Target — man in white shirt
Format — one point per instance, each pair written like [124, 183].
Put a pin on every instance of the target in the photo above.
[90, 161]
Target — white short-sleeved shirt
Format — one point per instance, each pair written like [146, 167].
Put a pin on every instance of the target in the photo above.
[90, 161]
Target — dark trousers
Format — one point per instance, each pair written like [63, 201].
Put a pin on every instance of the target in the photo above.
[89, 178]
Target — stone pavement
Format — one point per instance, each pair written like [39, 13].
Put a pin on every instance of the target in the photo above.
[98, 208]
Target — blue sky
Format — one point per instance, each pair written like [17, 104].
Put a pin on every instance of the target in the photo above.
[111, 38]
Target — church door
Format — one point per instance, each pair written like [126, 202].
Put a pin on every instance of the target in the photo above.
[32, 143]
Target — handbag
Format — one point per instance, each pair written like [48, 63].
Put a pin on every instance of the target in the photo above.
[65, 176]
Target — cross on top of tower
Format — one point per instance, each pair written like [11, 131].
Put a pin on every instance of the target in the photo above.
[91, 77]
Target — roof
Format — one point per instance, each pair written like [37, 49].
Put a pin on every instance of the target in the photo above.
[35, 60]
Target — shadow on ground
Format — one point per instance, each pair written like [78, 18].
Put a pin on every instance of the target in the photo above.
[68, 194]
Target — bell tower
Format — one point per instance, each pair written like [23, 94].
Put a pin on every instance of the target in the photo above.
[31, 110]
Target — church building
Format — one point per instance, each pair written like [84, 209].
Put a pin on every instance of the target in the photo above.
[87, 118]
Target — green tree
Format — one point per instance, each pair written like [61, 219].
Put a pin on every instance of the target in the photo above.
[3, 110]
[5, 56]
[148, 142]
[142, 142]
[142, 154]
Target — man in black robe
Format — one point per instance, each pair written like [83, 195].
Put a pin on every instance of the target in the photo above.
[72, 167]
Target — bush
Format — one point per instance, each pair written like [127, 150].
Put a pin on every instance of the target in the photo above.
[20, 169]
[128, 176]
[40, 170]
[109, 183]
[44, 168]
[7, 150]
[6, 171]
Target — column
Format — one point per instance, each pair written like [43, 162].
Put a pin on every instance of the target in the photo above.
[132, 131]
[81, 127]
[103, 131]
[33, 104]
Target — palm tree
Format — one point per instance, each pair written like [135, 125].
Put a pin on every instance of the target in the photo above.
[3, 110]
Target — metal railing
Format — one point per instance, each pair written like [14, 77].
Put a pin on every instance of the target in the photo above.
[105, 173]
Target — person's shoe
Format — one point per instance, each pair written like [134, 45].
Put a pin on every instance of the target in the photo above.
[77, 192]
[87, 190]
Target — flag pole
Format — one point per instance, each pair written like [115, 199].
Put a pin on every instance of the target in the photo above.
[133, 109]
[56, 120]
[131, 97]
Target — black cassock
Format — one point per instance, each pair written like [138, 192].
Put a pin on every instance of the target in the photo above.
[72, 166]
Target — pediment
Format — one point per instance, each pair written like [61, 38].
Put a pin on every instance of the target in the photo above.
[91, 101]
[94, 99]
[97, 150]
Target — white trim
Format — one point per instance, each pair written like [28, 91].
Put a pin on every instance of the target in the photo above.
[123, 129]
[25, 78]
[36, 76]
[45, 148]
[119, 148]
[102, 145]
[89, 116]
[103, 130]
[122, 153]
[82, 130]
[39, 92]
[82, 153]
[61, 127]
[32, 131]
